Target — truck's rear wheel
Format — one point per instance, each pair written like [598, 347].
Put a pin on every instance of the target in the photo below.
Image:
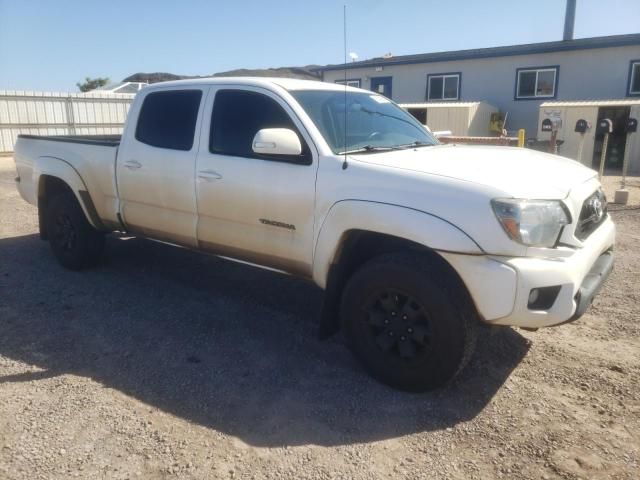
[407, 321]
[74, 242]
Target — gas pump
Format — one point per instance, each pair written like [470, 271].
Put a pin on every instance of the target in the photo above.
[605, 126]
[581, 127]
[622, 195]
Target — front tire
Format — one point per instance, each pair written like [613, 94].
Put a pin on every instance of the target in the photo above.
[408, 321]
[74, 242]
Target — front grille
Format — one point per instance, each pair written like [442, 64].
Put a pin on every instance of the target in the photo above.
[592, 214]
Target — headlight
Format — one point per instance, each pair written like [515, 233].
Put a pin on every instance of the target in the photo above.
[536, 223]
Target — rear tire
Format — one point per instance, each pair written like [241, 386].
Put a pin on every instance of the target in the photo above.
[74, 242]
[408, 321]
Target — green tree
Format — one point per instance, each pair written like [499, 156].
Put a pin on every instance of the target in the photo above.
[92, 83]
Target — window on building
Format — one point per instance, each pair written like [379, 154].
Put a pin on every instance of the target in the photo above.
[536, 82]
[168, 119]
[444, 86]
[238, 115]
[634, 78]
[351, 82]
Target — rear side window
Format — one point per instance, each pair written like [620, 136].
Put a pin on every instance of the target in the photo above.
[168, 119]
[238, 115]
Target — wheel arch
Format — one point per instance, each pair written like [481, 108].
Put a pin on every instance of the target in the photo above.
[349, 218]
[379, 229]
[54, 176]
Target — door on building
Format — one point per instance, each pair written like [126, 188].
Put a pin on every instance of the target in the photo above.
[617, 139]
[381, 85]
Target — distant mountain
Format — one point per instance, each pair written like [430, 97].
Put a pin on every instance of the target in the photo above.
[154, 77]
[305, 73]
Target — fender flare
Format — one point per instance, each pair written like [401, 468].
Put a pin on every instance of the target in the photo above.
[408, 223]
[63, 170]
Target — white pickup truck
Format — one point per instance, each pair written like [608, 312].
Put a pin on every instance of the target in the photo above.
[415, 243]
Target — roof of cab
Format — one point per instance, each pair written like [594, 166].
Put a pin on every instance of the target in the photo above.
[286, 83]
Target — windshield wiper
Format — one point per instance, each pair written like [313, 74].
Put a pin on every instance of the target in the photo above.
[371, 149]
[417, 143]
[386, 148]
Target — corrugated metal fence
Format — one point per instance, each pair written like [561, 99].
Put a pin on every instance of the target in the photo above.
[52, 113]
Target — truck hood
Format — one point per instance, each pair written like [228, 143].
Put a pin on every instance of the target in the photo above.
[517, 172]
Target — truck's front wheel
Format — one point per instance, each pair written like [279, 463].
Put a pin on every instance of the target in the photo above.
[407, 321]
[74, 242]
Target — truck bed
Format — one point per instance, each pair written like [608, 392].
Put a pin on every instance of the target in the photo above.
[90, 159]
[102, 140]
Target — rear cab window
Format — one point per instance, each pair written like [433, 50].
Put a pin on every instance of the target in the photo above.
[236, 118]
[168, 119]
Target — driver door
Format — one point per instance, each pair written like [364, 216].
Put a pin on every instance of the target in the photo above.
[250, 206]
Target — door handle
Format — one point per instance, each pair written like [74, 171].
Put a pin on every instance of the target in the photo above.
[209, 175]
[132, 165]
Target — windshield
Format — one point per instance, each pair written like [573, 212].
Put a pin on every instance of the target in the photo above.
[373, 122]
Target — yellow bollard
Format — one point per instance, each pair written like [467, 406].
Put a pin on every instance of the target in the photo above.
[521, 137]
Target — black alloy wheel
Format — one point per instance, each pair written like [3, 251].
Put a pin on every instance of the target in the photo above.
[64, 233]
[399, 324]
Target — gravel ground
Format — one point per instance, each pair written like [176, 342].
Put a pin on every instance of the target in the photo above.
[613, 183]
[162, 363]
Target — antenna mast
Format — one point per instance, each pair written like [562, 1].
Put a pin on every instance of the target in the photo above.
[344, 21]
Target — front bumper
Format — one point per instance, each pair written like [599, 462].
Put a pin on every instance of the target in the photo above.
[592, 283]
[500, 286]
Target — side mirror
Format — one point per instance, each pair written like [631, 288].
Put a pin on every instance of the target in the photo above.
[276, 141]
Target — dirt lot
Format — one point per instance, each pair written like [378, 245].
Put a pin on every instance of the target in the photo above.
[162, 363]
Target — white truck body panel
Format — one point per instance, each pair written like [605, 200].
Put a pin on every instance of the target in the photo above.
[237, 195]
[496, 167]
[156, 186]
[89, 167]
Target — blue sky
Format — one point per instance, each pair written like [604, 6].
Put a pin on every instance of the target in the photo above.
[50, 45]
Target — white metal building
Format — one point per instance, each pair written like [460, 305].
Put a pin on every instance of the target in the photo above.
[620, 143]
[461, 118]
[515, 78]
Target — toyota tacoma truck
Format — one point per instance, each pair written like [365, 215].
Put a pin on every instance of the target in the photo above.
[414, 243]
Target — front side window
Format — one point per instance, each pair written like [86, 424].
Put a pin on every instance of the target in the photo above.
[443, 86]
[353, 82]
[373, 122]
[168, 119]
[634, 78]
[536, 82]
[238, 115]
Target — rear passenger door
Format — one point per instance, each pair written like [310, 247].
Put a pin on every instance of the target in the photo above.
[250, 206]
[156, 165]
